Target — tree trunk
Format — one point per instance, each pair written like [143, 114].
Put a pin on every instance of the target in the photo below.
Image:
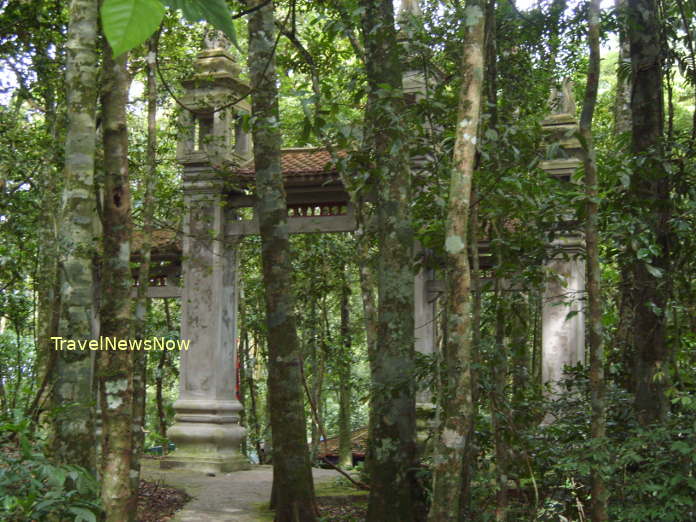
[367, 294]
[345, 446]
[292, 476]
[520, 356]
[393, 459]
[47, 280]
[142, 302]
[115, 369]
[624, 341]
[649, 192]
[313, 342]
[249, 365]
[318, 369]
[73, 439]
[594, 297]
[465, 509]
[456, 397]
[159, 381]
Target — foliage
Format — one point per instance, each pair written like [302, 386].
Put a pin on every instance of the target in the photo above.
[649, 472]
[32, 488]
[128, 23]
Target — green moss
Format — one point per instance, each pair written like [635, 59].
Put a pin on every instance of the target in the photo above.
[337, 487]
[264, 512]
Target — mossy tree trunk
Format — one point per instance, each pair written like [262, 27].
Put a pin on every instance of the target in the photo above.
[649, 191]
[293, 496]
[73, 396]
[115, 368]
[393, 428]
[456, 403]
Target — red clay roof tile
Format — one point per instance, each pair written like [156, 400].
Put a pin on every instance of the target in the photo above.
[296, 162]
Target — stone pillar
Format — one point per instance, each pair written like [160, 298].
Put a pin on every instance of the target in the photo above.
[425, 343]
[206, 431]
[424, 323]
[563, 319]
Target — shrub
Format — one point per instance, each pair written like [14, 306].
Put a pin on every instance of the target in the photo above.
[32, 488]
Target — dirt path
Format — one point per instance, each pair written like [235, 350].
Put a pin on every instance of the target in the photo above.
[225, 497]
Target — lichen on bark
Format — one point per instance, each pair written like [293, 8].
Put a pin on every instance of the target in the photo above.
[72, 394]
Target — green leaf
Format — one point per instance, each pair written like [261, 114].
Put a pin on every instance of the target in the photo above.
[571, 314]
[215, 12]
[82, 514]
[191, 10]
[128, 23]
[491, 134]
[654, 271]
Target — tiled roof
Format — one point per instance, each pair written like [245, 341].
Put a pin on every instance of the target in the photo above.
[298, 162]
[358, 441]
[162, 239]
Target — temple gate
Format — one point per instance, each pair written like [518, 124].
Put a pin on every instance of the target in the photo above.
[215, 152]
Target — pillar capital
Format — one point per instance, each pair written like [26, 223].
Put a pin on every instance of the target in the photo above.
[202, 180]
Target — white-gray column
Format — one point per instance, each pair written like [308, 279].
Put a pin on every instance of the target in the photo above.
[563, 320]
[207, 432]
[424, 323]
[425, 341]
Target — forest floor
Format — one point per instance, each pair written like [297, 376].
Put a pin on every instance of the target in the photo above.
[243, 496]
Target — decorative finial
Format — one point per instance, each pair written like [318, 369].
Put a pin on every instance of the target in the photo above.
[214, 39]
[409, 7]
[562, 99]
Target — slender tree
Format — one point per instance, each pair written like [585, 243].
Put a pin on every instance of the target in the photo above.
[594, 298]
[115, 369]
[292, 478]
[73, 396]
[345, 452]
[145, 254]
[456, 394]
[47, 280]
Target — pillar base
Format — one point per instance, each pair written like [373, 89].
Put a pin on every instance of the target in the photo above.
[208, 437]
[205, 464]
